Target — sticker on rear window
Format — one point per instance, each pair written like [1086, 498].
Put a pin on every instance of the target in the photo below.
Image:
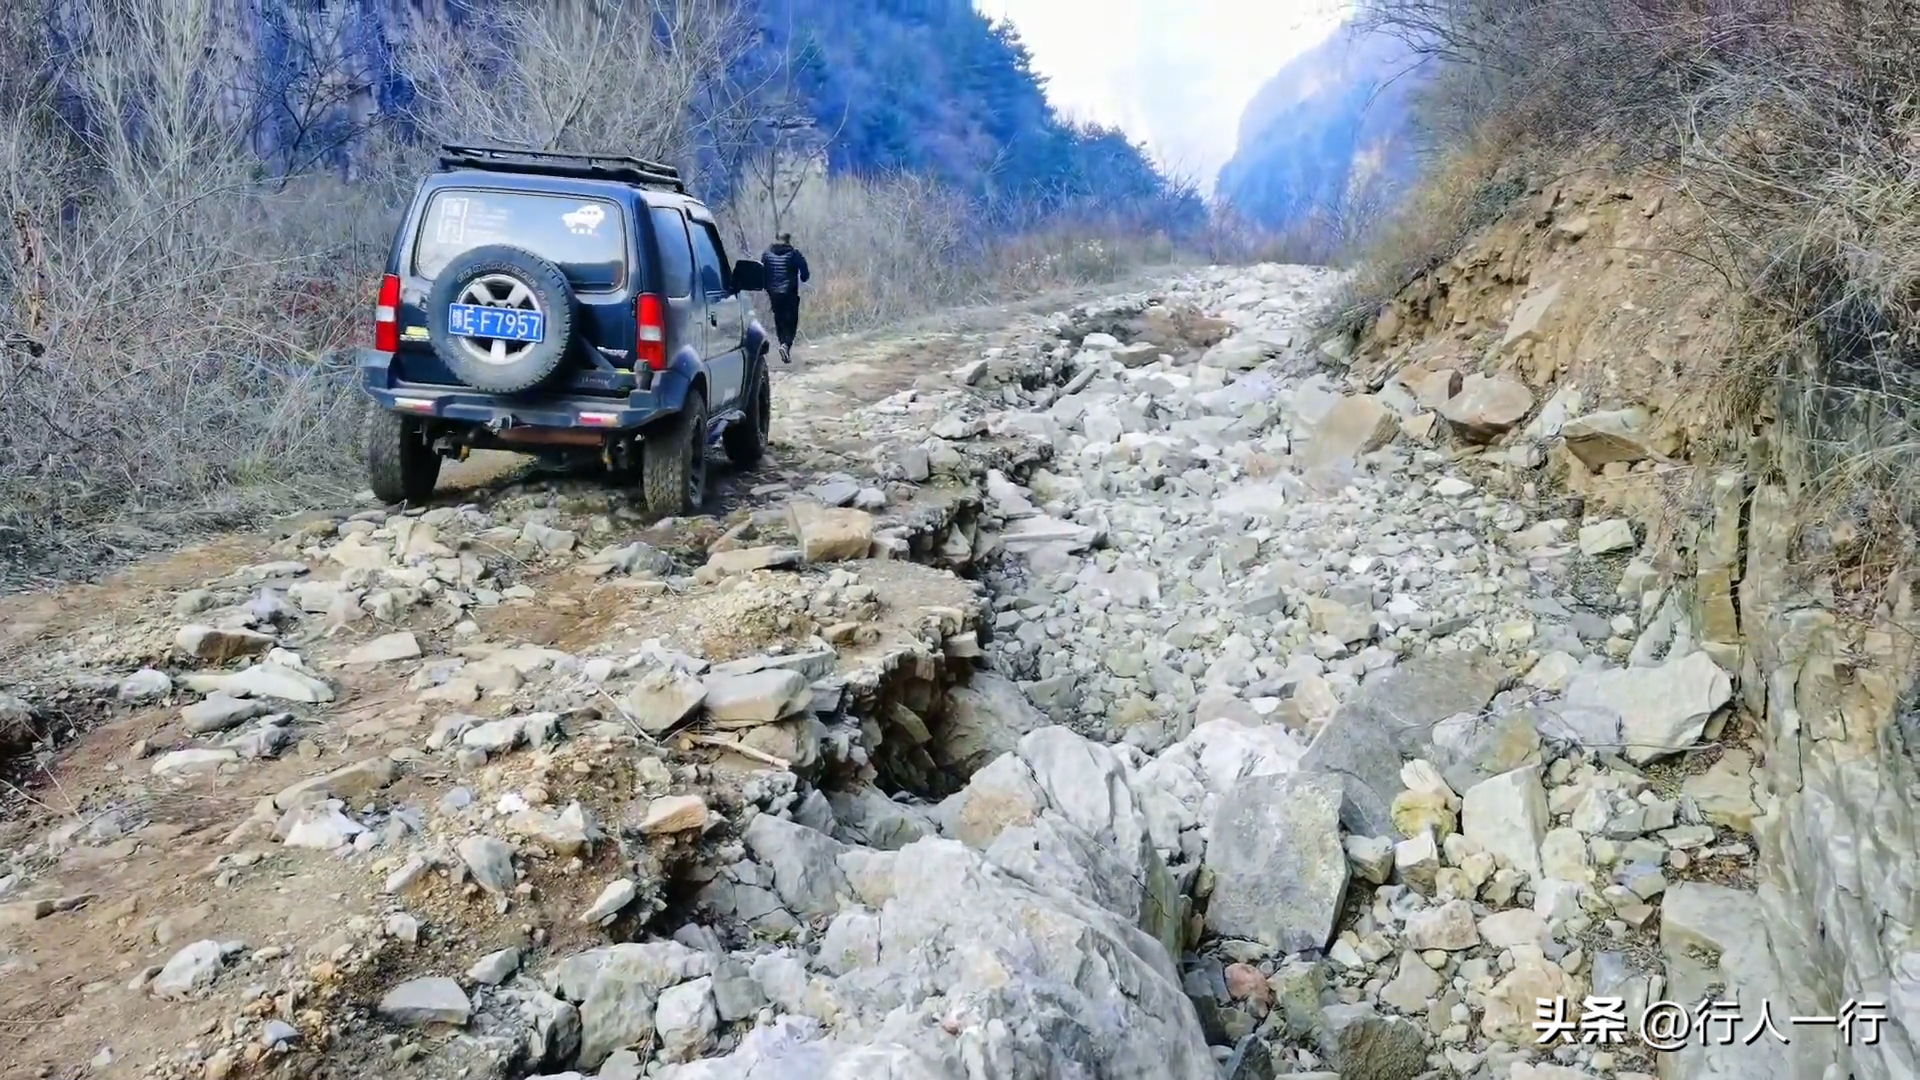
[586, 220]
[453, 220]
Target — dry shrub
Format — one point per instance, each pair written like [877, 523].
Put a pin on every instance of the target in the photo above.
[578, 75]
[1073, 254]
[877, 249]
[1796, 129]
[1233, 239]
[171, 315]
[1806, 152]
[898, 247]
[1462, 192]
[1518, 84]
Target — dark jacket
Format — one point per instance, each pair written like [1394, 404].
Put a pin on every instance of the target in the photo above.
[786, 268]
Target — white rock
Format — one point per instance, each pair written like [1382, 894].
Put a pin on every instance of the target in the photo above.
[317, 826]
[490, 861]
[386, 649]
[495, 736]
[1421, 775]
[1563, 855]
[1552, 672]
[1416, 861]
[1506, 817]
[1604, 537]
[616, 896]
[1449, 926]
[1662, 709]
[188, 762]
[1514, 927]
[279, 681]
[145, 685]
[674, 813]
[495, 967]
[686, 1021]
[190, 969]
[431, 999]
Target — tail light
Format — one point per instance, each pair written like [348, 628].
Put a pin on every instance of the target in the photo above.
[650, 332]
[386, 316]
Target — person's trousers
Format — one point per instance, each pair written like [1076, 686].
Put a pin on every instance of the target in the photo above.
[786, 316]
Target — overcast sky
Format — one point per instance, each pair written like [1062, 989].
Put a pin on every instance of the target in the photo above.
[1173, 73]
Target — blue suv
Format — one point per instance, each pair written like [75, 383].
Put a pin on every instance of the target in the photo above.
[573, 306]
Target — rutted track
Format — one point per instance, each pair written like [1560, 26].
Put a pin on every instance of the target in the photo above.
[485, 582]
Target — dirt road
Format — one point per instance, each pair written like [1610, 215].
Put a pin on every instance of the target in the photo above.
[154, 808]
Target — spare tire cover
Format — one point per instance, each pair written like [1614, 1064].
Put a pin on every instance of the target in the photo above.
[519, 283]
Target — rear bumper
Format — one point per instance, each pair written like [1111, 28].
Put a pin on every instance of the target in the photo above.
[459, 404]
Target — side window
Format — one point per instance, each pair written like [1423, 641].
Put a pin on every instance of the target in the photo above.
[676, 258]
[706, 258]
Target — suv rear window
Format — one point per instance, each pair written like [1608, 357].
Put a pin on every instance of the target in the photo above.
[584, 237]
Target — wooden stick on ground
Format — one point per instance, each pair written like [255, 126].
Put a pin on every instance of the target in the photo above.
[737, 747]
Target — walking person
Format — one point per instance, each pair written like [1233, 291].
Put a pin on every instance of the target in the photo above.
[786, 270]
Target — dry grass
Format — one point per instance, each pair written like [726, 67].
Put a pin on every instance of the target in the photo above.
[1804, 156]
[174, 307]
[1793, 127]
[1464, 191]
[1321, 240]
[171, 318]
[883, 250]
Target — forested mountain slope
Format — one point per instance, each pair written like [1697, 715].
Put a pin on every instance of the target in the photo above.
[929, 87]
[1329, 136]
[932, 87]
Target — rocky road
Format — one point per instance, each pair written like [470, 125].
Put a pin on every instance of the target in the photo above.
[1106, 691]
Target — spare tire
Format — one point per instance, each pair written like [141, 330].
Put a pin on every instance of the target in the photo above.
[522, 285]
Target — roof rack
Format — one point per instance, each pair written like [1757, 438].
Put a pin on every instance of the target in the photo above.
[630, 170]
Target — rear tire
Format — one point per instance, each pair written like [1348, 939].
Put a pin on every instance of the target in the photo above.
[745, 439]
[674, 466]
[401, 467]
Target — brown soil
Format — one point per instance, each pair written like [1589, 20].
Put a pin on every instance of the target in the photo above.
[67, 992]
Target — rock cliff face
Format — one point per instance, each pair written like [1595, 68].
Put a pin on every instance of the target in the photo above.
[1330, 132]
[309, 69]
[1572, 296]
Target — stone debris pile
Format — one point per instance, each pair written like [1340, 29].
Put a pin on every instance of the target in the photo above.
[1287, 729]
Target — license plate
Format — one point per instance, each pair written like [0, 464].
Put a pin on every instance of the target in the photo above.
[506, 324]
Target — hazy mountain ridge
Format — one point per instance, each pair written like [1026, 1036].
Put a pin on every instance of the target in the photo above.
[1330, 135]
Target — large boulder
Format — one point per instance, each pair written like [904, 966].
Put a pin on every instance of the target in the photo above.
[983, 719]
[1244, 351]
[1601, 438]
[1027, 808]
[1280, 873]
[1663, 710]
[1394, 717]
[1021, 954]
[616, 989]
[1356, 425]
[1410, 699]
[1486, 408]
[829, 533]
